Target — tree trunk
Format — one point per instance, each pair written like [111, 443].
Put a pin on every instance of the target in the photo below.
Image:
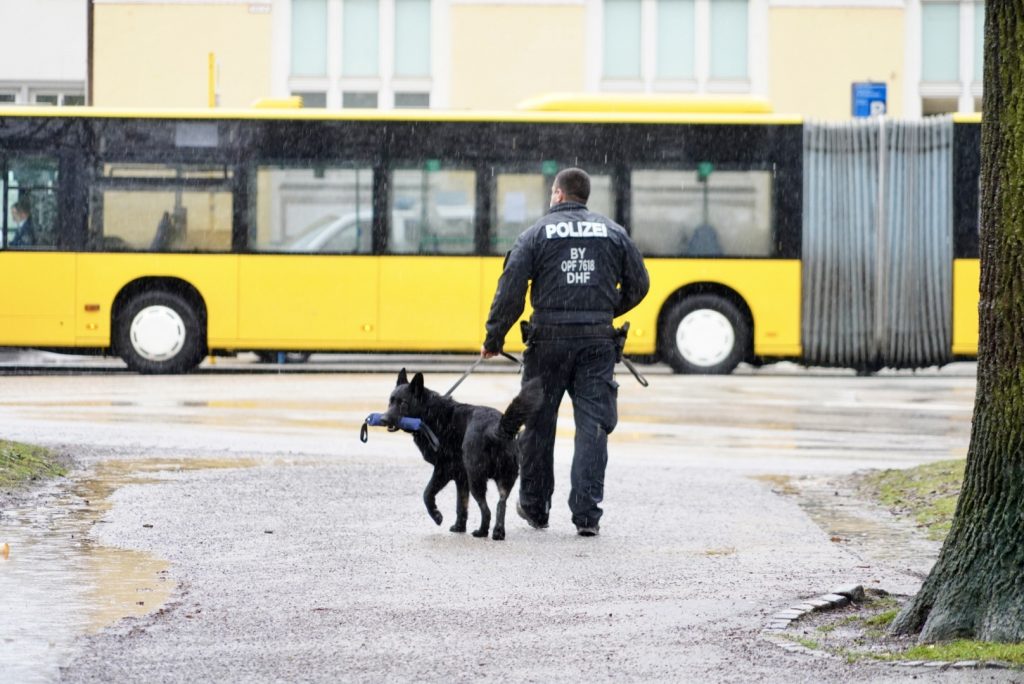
[976, 588]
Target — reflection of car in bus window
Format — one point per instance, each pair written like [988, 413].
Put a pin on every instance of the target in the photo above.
[350, 233]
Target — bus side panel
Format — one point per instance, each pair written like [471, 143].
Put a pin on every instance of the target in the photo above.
[37, 299]
[966, 281]
[102, 276]
[770, 287]
[431, 303]
[489, 274]
[314, 302]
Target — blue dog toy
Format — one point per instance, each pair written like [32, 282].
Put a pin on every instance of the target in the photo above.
[405, 424]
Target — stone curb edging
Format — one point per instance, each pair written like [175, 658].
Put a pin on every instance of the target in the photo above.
[841, 596]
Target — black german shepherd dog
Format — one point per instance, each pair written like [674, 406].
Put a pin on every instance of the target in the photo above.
[474, 444]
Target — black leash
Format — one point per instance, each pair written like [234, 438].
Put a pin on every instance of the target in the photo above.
[473, 368]
[636, 373]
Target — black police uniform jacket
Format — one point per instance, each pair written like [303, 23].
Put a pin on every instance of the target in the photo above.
[584, 268]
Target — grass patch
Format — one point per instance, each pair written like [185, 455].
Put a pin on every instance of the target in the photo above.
[806, 643]
[927, 493]
[23, 463]
[882, 619]
[858, 633]
[967, 650]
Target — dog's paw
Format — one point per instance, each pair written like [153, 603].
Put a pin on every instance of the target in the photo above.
[436, 516]
[499, 534]
[480, 533]
[457, 527]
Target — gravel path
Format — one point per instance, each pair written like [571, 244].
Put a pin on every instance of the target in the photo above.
[299, 554]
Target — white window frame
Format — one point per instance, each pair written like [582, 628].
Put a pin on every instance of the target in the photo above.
[26, 93]
[385, 84]
[756, 82]
[966, 89]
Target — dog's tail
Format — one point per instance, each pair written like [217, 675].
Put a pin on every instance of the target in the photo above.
[522, 407]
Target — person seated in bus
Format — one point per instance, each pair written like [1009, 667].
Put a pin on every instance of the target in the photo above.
[25, 235]
[704, 242]
[168, 236]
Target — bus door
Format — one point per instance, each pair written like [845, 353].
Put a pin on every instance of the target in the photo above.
[309, 281]
[36, 282]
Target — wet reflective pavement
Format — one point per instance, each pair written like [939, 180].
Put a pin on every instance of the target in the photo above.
[107, 545]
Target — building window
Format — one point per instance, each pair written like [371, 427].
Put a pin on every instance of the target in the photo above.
[951, 55]
[675, 40]
[728, 40]
[312, 99]
[309, 37]
[622, 39]
[677, 45]
[412, 100]
[360, 33]
[56, 99]
[44, 94]
[363, 53]
[412, 38]
[356, 100]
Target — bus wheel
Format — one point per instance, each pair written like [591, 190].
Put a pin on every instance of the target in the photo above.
[704, 334]
[159, 332]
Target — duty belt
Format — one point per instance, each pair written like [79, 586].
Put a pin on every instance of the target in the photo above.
[535, 333]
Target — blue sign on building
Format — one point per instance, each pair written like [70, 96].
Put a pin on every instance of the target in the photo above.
[868, 99]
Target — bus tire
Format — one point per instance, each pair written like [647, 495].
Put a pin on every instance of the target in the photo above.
[704, 335]
[159, 333]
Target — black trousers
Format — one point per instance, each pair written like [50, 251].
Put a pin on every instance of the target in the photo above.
[583, 368]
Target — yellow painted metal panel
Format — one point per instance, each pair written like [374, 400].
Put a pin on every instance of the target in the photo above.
[429, 303]
[403, 115]
[770, 287]
[489, 273]
[966, 280]
[100, 277]
[647, 102]
[307, 301]
[37, 296]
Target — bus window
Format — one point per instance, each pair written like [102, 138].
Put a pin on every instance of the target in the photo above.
[315, 209]
[161, 208]
[30, 203]
[702, 212]
[522, 198]
[432, 210]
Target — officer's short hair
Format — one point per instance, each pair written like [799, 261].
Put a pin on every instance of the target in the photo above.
[575, 183]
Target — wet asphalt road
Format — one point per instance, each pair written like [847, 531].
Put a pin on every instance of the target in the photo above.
[290, 551]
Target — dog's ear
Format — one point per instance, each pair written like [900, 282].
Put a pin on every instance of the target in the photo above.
[417, 384]
[402, 379]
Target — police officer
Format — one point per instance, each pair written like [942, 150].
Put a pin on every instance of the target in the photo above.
[585, 271]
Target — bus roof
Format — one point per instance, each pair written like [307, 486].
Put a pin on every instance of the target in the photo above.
[648, 103]
[427, 115]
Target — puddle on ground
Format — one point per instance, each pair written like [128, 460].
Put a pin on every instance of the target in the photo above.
[868, 531]
[57, 583]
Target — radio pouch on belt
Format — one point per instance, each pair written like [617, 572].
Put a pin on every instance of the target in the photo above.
[526, 330]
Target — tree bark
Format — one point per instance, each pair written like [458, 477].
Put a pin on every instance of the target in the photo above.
[976, 588]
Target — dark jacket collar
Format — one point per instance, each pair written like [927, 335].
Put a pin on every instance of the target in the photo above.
[567, 206]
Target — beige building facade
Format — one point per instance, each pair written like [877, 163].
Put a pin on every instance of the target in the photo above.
[802, 55]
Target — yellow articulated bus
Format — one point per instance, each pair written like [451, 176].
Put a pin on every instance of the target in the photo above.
[164, 237]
